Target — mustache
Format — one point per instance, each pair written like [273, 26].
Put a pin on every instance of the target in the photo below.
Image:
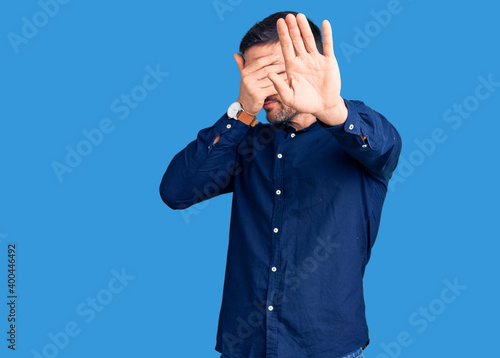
[272, 99]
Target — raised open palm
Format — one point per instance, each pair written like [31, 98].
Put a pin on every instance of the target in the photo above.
[313, 84]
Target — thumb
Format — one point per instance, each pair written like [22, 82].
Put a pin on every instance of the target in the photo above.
[240, 61]
[281, 85]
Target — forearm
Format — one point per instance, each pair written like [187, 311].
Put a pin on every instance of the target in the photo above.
[203, 169]
[368, 137]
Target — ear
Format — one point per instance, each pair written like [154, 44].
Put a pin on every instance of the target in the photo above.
[240, 61]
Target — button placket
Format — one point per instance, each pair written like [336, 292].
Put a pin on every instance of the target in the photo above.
[277, 232]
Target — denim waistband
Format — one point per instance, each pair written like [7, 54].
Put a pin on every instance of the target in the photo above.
[353, 354]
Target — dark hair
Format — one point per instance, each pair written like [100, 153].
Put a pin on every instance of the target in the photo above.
[265, 32]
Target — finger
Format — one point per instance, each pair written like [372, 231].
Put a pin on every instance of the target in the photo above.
[285, 92]
[327, 39]
[263, 83]
[262, 62]
[307, 34]
[266, 83]
[240, 61]
[269, 92]
[285, 40]
[268, 88]
[295, 35]
[262, 73]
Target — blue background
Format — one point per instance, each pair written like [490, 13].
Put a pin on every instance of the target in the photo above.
[439, 220]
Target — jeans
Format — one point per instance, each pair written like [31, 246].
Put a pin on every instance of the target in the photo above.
[358, 353]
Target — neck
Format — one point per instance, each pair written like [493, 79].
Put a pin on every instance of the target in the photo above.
[302, 120]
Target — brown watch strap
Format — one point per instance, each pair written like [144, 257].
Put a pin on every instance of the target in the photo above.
[248, 119]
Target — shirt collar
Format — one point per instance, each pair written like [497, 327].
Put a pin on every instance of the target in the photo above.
[288, 128]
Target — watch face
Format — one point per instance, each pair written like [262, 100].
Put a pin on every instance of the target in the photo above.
[234, 110]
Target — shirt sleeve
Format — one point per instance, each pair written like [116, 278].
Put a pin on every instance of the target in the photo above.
[380, 153]
[203, 170]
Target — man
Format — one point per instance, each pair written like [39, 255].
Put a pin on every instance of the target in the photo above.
[308, 191]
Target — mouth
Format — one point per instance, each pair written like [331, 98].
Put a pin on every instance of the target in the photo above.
[269, 102]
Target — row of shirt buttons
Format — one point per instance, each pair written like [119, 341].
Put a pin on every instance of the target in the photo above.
[278, 192]
[276, 230]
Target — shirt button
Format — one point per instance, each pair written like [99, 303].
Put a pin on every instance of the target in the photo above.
[274, 269]
[280, 156]
[292, 135]
[270, 308]
[278, 192]
[351, 127]
[275, 230]
[228, 126]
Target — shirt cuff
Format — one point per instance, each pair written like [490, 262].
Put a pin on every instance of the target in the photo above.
[351, 126]
[231, 131]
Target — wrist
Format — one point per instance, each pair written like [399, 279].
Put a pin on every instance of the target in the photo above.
[237, 112]
[247, 108]
[333, 116]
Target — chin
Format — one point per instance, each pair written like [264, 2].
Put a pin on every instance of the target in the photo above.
[275, 116]
[282, 116]
[276, 121]
[273, 119]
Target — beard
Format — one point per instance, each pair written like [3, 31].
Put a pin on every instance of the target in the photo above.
[279, 113]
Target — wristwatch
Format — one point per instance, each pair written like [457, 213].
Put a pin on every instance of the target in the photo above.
[235, 111]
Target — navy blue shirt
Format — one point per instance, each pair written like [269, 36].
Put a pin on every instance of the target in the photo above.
[306, 209]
